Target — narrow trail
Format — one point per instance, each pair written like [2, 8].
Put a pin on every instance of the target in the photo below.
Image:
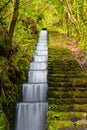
[67, 94]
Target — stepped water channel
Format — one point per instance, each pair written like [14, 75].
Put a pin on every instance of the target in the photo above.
[32, 112]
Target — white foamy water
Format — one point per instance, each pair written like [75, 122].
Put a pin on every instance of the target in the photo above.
[38, 65]
[40, 58]
[37, 76]
[34, 92]
[31, 116]
[43, 48]
[40, 53]
[42, 43]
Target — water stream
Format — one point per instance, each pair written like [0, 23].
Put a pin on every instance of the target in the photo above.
[32, 111]
[35, 92]
[39, 53]
[31, 116]
[38, 65]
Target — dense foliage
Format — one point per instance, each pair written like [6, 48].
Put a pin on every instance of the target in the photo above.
[20, 22]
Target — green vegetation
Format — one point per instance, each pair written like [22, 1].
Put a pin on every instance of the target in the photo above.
[67, 94]
[20, 23]
[4, 125]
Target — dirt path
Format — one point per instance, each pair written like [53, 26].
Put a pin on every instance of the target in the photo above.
[67, 94]
[80, 55]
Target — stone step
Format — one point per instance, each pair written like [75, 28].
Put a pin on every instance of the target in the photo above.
[62, 63]
[83, 127]
[73, 79]
[68, 84]
[62, 69]
[67, 94]
[68, 108]
[66, 73]
[58, 79]
[67, 101]
[69, 116]
[65, 89]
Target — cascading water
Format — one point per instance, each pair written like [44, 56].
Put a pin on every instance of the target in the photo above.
[37, 76]
[35, 92]
[31, 116]
[40, 58]
[38, 65]
[39, 53]
[32, 112]
[41, 48]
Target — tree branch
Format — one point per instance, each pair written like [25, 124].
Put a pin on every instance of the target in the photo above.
[46, 7]
[19, 7]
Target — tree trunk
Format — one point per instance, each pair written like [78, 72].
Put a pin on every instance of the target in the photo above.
[9, 34]
[14, 19]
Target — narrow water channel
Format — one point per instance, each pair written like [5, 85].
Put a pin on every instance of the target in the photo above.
[32, 111]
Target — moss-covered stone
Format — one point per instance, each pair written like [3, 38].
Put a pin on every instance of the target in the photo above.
[67, 94]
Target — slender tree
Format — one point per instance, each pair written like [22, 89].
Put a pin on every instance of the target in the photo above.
[13, 21]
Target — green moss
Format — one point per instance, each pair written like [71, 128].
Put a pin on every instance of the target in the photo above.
[67, 94]
[58, 108]
[78, 107]
[71, 116]
[65, 120]
[14, 72]
[55, 125]
[4, 125]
